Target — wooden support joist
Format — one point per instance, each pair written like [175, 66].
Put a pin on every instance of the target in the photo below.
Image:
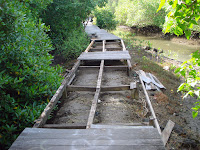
[44, 116]
[128, 61]
[97, 93]
[108, 48]
[93, 89]
[150, 106]
[65, 126]
[134, 90]
[106, 67]
[89, 46]
[96, 96]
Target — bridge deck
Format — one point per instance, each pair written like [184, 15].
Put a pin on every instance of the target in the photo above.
[92, 139]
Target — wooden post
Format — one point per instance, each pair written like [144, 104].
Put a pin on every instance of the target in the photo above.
[134, 90]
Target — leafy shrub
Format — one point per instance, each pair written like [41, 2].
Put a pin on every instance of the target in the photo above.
[27, 80]
[66, 23]
[76, 42]
[142, 13]
[105, 18]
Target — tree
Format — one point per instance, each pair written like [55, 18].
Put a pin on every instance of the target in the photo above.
[180, 20]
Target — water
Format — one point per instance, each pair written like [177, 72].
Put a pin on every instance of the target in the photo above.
[178, 51]
[177, 48]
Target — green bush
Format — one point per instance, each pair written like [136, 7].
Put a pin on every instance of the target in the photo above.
[27, 80]
[105, 18]
[76, 42]
[65, 19]
[140, 13]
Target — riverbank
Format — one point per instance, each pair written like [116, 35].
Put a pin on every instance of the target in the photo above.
[178, 48]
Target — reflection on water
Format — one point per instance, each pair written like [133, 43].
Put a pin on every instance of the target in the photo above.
[171, 49]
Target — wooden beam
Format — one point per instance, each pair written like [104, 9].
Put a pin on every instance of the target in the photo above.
[93, 89]
[128, 61]
[106, 67]
[167, 131]
[89, 46]
[150, 106]
[97, 93]
[65, 126]
[96, 96]
[44, 116]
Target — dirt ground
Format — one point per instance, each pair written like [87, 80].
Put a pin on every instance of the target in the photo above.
[112, 108]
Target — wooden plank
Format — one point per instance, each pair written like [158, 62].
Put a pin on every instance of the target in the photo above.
[93, 89]
[65, 126]
[88, 147]
[153, 86]
[150, 86]
[159, 84]
[89, 46]
[134, 90]
[128, 61]
[108, 48]
[167, 131]
[44, 116]
[106, 67]
[92, 142]
[108, 55]
[150, 106]
[96, 96]
[150, 132]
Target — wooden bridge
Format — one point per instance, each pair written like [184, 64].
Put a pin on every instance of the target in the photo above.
[144, 135]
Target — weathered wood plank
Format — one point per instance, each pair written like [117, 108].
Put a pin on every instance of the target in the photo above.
[65, 126]
[108, 55]
[149, 132]
[93, 89]
[44, 116]
[96, 96]
[150, 106]
[89, 46]
[87, 147]
[167, 131]
[92, 142]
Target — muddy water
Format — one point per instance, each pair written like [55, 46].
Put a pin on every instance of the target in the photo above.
[175, 48]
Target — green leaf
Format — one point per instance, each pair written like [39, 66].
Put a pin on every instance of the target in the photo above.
[187, 34]
[162, 3]
[194, 114]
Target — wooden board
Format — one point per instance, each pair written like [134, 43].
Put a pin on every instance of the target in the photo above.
[65, 126]
[108, 55]
[44, 116]
[93, 89]
[167, 131]
[96, 96]
[112, 139]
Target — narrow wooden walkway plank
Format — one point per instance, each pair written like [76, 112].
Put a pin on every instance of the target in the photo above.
[88, 147]
[150, 106]
[108, 55]
[44, 116]
[89, 46]
[167, 131]
[93, 89]
[96, 96]
[65, 126]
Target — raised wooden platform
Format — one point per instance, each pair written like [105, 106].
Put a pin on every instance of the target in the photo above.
[89, 139]
[107, 55]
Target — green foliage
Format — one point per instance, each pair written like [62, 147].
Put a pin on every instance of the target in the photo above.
[76, 42]
[105, 18]
[183, 17]
[140, 13]
[65, 19]
[27, 80]
[180, 20]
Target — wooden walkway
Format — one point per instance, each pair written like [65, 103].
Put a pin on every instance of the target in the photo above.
[92, 139]
[88, 136]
